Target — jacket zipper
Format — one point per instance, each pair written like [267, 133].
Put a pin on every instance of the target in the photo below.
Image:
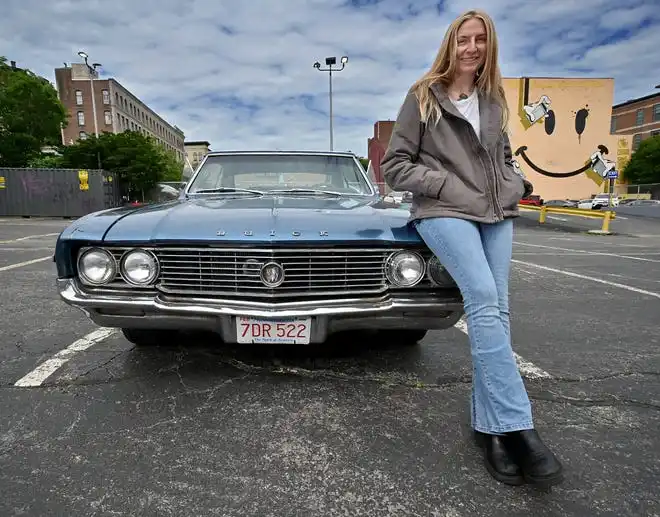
[490, 176]
[498, 212]
[497, 190]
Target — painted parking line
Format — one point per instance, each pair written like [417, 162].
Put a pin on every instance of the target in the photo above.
[586, 252]
[536, 253]
[527, 368]
[37, 376]
[8, 241]
[586, 277]
[26, 263]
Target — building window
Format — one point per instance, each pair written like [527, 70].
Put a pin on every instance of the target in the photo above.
[656, 113]
[640, 117]
[108, 117]
[81, 118]
[79, 99]
[613, 125]
[655, 133]
[106, 97]
[637, 139]
[82, 135]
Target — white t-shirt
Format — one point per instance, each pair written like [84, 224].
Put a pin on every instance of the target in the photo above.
[469, 108]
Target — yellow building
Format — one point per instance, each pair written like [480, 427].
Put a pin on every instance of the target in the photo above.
[560, 135]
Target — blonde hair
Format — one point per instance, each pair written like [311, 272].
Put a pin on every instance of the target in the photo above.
[489, 78]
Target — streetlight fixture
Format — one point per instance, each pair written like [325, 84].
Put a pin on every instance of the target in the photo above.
[330, 61]
[92, 73]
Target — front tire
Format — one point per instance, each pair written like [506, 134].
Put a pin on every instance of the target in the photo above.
[147, 337]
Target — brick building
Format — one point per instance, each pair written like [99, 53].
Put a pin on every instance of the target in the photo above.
[376, 147]
[117, 110]
[637, 117]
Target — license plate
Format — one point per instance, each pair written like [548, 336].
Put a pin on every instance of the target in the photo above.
[252, 330]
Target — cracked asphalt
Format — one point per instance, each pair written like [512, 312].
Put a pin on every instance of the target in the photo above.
[358, 426]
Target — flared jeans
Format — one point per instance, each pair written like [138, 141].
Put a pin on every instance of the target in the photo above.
[478, 257]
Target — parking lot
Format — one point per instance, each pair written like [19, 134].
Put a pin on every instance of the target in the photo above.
[353, 427]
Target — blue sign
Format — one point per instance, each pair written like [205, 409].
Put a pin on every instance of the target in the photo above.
[612, 174]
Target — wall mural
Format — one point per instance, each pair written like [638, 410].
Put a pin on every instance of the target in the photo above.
[540, 111]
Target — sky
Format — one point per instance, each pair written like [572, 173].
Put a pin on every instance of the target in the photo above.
[239, 73]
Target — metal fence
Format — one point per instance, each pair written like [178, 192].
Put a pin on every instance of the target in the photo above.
[56, 192]
[643, 191]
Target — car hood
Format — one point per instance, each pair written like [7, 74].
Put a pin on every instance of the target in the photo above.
[271, 219]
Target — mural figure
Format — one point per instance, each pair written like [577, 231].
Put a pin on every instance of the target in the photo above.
[537, 111]
[540, 111]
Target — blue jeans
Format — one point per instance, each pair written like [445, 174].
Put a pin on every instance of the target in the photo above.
[478, 257]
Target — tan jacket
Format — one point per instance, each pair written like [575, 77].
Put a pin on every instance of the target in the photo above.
[448, 170]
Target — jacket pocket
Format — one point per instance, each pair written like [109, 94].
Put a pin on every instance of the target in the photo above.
[512, 189]
[458, 196]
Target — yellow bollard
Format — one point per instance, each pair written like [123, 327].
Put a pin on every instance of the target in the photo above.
[542, 216]
[606, 221]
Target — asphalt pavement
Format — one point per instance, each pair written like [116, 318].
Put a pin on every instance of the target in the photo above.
[354, 427]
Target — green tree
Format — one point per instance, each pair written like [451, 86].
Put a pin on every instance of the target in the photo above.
[644, 165]
[173, 168]
[46, 161]
[137, 161]
[31, 115]
[364, 162]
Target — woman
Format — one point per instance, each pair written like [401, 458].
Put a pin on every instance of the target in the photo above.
[450, 148]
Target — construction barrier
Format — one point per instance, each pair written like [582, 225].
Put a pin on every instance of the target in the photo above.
[43, 192]
[605, 215]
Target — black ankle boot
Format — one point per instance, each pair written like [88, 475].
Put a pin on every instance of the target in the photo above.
[499, 462]
[539, 465]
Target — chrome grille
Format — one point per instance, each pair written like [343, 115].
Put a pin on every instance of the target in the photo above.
[308, 272]
[215, 272]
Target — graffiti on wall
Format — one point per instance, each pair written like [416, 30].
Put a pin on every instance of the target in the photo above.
[539, 111]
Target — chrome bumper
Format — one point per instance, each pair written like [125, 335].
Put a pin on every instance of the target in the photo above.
[160, 311]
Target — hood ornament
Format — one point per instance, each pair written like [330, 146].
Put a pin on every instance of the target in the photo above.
[272, 274]
[221, 233]
[323, 233]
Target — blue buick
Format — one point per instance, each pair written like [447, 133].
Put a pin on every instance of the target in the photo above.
[260, 247]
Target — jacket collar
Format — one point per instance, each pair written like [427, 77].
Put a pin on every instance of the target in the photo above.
[490, 114]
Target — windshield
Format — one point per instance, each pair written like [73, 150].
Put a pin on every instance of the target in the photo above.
[280, 172]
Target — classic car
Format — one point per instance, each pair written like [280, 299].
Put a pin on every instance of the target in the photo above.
[260, 247]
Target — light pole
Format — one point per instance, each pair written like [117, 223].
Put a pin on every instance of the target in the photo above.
[92, 73]
[331, 61]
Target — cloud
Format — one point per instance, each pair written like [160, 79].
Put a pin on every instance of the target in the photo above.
[239, 73]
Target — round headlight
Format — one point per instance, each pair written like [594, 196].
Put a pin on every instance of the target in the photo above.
[96, 267]
[139, 267]
[438, 274]
[404, 268]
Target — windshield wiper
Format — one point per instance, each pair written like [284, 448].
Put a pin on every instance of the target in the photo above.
[226, 189]
[305, 191]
